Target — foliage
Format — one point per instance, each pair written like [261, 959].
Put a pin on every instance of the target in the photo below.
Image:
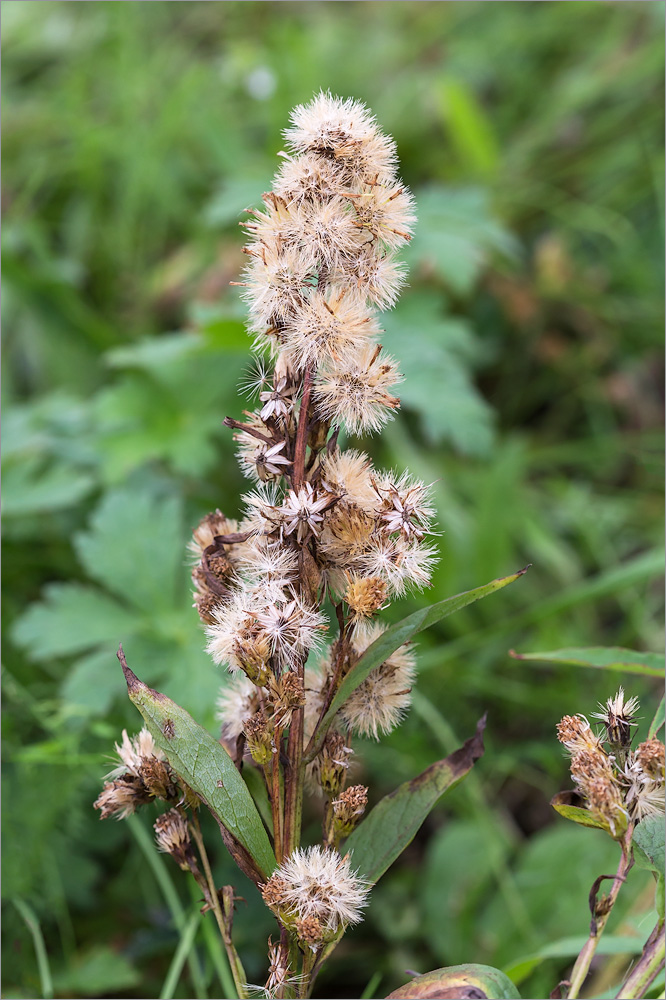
[532, 136]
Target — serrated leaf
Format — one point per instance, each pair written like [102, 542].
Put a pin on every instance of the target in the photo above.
[70, 619]
[563, 803]
[603, 658]
[206, 767]
[388, 828]
[457, 235]
[657, 722]
[133, 548]
[400, 633]
[437, 359]
[92, 683]
[467, 980]
[33, 488]
[648, 844]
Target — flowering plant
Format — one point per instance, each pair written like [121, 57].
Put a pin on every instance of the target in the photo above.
[320, 529]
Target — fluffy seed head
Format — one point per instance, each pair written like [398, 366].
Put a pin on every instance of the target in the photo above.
[365, 595]
[352, 388]
[237, 702]
[328, 327]
[314, 882]
[381, 701]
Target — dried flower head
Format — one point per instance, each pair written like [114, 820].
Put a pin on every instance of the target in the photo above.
[618, 717]
[132, 753]
[348, 808]
[173, 837]
[381, 701]
[575, 733]
[121, 797]
[317, 883]
[237, 702]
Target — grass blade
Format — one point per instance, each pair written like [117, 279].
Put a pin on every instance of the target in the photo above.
[158, 866]
[43, 966]
[182, 952]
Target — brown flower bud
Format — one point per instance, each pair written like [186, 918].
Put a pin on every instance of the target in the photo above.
[310, 931]
[173, 837]
[259, 736]
[365, 595]
[650, 756]
[348, 808]
[333, 763]
[158, 778]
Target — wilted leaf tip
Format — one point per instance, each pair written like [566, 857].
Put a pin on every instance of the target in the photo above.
[472, 749]
[132, 681]
[134, 685]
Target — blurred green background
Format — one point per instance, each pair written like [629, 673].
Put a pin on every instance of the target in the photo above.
[530, 338]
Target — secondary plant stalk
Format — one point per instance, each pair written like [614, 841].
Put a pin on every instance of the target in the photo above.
[600, 913]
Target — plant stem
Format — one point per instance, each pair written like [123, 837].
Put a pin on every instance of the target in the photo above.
[273, 785]
[648, 966]
[298, 468]
[600, 918]
[224, 919]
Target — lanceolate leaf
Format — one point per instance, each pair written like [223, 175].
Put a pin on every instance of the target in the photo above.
[626, 661]
[564, 804]
[402, 632]
[206, 767]
[393, 823]
[481, 981]
[657, 722]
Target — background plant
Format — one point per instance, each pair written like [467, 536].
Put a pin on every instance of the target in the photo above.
[550, 119]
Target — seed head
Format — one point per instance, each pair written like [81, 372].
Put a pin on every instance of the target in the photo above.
[617, 715]
[381, 701]
[173, 837]
[315, 882]
[352, 389]
[348, 808]
[121, 797]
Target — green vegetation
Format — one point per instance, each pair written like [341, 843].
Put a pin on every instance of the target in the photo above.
[530, 338]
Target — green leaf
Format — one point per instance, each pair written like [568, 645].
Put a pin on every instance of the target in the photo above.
[457, 235]
[570, 947]
[393, 823]
[96, 972]
[459, 980]
[206, 767]
[72, 618]
[563, 803]
[603, 658]
[30, 488]
[437, 360]
[648, 844]
[258, 791]
[132, 548]
[657, 721]
[400, 633]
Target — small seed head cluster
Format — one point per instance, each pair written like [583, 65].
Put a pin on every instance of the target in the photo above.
[619, 785]
[141, 776]
[316, 884]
